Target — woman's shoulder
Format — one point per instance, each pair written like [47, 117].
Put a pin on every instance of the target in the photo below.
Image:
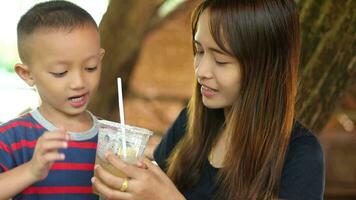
[169, 140]
[300, 131]
[302, 139]
[182, 118]
[304, 144]
[303, 171]
[178, 128]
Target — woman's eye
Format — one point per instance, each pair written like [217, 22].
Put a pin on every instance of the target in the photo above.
[221, 62]
[58, 74]
[91, 69]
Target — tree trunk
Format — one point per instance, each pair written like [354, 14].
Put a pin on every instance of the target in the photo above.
[123, 29]
[327, 60]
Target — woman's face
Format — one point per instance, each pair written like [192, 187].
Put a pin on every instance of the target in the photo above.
[218, 73]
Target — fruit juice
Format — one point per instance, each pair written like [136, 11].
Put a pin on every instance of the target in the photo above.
[130, 158]
[115, 137]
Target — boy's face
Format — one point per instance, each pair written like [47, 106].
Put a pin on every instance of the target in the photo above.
[65, 67]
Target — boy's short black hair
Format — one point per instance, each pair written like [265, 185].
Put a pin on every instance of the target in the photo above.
[57, 14]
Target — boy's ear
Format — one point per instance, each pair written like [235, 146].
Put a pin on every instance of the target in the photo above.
[102, 53]
[24, 73]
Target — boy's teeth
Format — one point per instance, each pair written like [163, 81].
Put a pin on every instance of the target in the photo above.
[77, 99]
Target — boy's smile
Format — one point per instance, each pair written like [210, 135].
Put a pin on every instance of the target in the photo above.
[79, 101]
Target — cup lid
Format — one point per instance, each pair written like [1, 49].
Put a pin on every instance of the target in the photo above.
[115, 125]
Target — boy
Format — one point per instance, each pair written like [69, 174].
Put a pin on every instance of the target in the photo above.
[50, 152]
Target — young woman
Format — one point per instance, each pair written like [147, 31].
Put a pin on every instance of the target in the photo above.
[238, 138]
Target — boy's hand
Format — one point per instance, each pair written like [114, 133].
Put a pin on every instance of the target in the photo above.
[46, 152]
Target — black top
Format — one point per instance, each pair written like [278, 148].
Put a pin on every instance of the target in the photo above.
[302, 175]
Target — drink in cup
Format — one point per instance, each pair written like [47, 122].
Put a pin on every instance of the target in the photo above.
[126, 142]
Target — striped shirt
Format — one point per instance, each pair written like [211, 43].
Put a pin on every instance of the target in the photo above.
[67, 179]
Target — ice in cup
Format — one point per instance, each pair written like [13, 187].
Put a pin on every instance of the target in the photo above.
[119, 139]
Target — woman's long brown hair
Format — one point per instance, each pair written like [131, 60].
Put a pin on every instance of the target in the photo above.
[263, 35]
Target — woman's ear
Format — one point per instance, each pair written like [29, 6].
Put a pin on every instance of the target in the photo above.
[24, 73]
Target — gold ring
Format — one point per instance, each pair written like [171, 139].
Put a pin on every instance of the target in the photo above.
[124, 185]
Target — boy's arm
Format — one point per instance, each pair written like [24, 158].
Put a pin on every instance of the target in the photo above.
[46, 152]
[16, 180]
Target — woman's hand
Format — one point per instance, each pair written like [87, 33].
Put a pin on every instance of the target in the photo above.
[145, 181]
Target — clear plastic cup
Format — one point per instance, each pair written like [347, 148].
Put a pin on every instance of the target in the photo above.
[116, 137]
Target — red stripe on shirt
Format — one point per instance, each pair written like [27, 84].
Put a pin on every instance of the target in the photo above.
[4, 147]
[23, 143]
[15, 124]
[59, 190]
[82, 145]
[32, 144]
[72, 166]
[4, 168]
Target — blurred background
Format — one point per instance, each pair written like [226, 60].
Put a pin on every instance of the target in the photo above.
[148, 44]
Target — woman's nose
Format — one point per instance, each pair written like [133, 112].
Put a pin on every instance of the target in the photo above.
[203, 69]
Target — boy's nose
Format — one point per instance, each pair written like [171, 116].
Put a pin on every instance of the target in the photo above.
[77, 82]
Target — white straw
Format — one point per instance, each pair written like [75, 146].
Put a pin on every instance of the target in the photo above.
[122, 118]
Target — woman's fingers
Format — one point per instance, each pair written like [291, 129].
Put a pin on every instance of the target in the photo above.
[130, 170]
[153, 167]
[108, 178]
[107, 192]
[146, 181]
[141, 164]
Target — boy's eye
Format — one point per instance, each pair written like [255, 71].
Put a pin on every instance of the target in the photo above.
[91, 69]
[199, 52]
[58, 74]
